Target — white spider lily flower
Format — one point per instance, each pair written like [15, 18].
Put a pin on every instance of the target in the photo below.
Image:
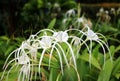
[24, 59]
[34, 49]
[77, 41]
[91, 35]
[82, 22]
[30, 47]
[70, 13]
[26, 44]
[61, 36]
[31, 42]
[79, 22]
[101, 10]
[107, 12]
[112, 10]
[46, 42]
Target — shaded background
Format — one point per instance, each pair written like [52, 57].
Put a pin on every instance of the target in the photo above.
[20, 17]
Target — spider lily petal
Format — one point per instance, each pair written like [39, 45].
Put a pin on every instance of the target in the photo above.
[25, 70]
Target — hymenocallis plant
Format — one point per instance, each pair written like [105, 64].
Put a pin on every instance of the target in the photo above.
[53, 49]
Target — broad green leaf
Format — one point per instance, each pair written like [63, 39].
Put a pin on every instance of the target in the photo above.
[106, 71]
[95, 51]
[116, 67]
[82, 68]
[12, 76]
[59, 77]
[9, 50]
[52, 23]
[53, 74]
[69, 74]
[112, 50]
[94, 61]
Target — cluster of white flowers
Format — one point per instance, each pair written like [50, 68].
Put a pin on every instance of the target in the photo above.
[28, 54]
[115, 11]
[75, 21]
[104, 15]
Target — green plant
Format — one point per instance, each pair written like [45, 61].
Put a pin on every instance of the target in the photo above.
[52, 49]
[75, 54]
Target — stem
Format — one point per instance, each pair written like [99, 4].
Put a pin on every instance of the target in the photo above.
[79, 10]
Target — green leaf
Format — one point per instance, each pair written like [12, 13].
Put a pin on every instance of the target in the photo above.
[12, 76]
[112, 49]
[9, 50]
[83, 69]
[116, 67]
[106, 71]
[69, 74]
[117, 49]
[53, 74]
[52, 23]
[1, 64]
[118, 75]
[71, 4]
[4, 38]
[39, 3]
[94, 61]
[96, 51]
